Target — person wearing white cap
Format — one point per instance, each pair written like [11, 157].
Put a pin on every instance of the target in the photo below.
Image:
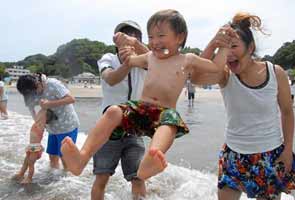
[120, 84]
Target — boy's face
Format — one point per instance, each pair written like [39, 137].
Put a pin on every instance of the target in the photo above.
[163, 41]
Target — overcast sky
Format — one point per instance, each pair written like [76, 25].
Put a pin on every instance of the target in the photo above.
[39, 26]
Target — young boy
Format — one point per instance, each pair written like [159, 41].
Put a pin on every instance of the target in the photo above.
[34, 149]
[154, 114]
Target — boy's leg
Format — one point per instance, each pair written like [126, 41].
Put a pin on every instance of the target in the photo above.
[76, 160]
[98, 188]
[21, 173]
[29, 178]
[154, 160]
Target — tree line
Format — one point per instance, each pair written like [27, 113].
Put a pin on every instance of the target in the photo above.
[81, 55]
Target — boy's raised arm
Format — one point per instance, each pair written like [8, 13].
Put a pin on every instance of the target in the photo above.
[133, 60]
[199, 64]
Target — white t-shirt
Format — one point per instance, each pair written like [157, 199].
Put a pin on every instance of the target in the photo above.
[253, 116]
[4, 95]
[67, 117]
[118, 93]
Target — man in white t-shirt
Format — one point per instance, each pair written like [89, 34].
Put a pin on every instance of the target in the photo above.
[119, 84]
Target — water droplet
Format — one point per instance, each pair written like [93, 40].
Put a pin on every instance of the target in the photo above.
[165, 51]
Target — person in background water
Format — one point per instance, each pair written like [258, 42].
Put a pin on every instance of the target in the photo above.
[119, 84]
[190, 91]
[34, 149]
[154, 115]
[257, 156]
[3, 100]
[50, 93]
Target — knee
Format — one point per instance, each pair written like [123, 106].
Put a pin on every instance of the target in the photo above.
[35, 128]
[114, 112]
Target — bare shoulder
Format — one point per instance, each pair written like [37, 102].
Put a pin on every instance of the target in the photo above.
[279, 71]
[282, 77]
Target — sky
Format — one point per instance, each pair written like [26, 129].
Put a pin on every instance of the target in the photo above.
[30, 27]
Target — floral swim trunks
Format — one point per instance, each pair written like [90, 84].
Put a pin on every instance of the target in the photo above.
[258, 175]
[142, 118]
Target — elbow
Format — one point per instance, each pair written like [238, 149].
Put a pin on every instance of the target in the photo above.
[110, 81]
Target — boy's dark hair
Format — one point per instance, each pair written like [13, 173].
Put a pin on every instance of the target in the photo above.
[174, 18]
[27, 84]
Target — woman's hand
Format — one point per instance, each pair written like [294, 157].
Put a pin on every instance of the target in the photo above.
[223, 37]
[286, 157]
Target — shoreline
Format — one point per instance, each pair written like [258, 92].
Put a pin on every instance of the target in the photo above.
[95, 92]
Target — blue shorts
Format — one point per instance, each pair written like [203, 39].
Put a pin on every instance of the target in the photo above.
[54, 142]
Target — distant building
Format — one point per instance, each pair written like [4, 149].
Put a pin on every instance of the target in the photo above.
[16, 71]
[86, 77]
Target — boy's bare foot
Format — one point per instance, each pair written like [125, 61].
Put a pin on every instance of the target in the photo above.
[18, 177]
[26, 181]
[71, 156]
[153, 163]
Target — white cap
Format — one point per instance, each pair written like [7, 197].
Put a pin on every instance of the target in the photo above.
[127, 23]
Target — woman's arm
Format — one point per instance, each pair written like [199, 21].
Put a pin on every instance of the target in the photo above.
[202, 65]
[221, 39]
[287, 116]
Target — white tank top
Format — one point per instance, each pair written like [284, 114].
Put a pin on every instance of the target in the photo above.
[253, 117]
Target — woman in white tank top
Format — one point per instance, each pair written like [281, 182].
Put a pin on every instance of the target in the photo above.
[257, 155]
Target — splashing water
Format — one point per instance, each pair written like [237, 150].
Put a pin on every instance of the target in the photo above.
[175, 183]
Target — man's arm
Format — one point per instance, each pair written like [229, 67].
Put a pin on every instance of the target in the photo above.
[127, 46]
[114, 76]
[67, 99]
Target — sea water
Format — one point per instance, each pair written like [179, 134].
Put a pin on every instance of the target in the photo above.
[175, 183]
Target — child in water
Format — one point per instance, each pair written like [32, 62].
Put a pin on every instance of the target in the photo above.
[34, 149]
[154, 115]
